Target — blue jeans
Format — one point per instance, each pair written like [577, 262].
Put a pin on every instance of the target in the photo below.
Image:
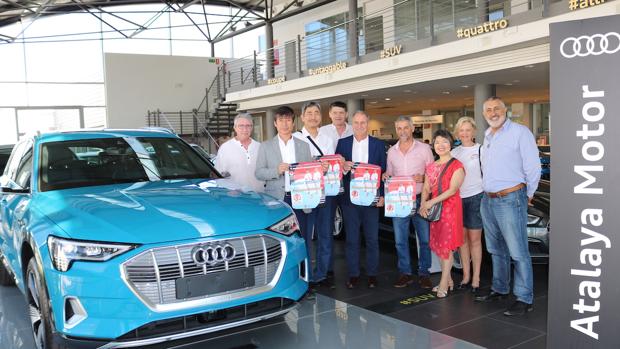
[505, 232]
[356, 217]
[401, 237]
[324, 227]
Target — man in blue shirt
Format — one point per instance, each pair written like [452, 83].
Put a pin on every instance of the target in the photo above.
[511, 171]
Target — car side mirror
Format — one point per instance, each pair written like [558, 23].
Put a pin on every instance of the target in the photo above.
[225, 174]
[7, 190]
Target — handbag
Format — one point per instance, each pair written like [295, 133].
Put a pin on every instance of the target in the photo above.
[434, 212]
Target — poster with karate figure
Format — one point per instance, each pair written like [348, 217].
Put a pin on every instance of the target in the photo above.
[333, 176]
[400, 196]
[365, 183]
[307, 186]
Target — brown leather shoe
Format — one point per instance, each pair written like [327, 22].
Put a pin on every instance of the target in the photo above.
[352, 282]
[372, 281]
[425, 282]
[404, 280]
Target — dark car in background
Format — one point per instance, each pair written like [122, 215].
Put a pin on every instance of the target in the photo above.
[544, 153]
[5, 153]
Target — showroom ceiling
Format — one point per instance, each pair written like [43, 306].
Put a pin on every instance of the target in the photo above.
[244, 15]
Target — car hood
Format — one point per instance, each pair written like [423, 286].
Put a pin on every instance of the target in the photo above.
[163, 211]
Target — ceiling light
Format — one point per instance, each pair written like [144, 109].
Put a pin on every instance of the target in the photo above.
[373, 102]
[529, 66]
[445, 92]
[388, 98]
[465, 86]
[406, 91]
[508, 84]
[364, 95]
[516, 80]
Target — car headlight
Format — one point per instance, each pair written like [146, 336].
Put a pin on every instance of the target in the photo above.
[64, 252]
[288, 226]
[533, 220]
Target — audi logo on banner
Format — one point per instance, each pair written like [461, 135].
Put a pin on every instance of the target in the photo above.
[213, 254]
[594, 45]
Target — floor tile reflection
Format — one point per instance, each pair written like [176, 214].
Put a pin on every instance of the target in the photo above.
[312, 325]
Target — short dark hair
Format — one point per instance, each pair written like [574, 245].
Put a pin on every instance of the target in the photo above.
[309, 105]
[338, 104]
[285, 110]
[443, 133]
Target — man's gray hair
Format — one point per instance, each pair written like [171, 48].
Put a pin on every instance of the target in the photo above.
[361, 112]
[494, 98]
[309, 105]
[404, 118]
[246, 116]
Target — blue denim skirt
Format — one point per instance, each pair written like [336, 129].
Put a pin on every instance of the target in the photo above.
[471, 212]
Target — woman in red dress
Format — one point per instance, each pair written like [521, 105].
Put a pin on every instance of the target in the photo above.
[447, 232]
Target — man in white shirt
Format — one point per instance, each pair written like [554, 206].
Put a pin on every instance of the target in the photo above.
[320, 145]
[339, 128]
[237, 156]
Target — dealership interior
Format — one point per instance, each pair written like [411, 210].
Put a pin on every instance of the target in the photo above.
[160, 66]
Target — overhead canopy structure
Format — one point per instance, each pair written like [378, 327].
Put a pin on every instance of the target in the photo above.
[215, 26]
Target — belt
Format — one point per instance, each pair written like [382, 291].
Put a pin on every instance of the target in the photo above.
[506, 191]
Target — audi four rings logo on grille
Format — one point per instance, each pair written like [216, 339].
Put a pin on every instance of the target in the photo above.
[595, 45]
[213, 254]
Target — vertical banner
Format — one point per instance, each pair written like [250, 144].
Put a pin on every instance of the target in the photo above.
[400, 196]
[584, 308]
[333, 176]
[365, 183]
[307, 189]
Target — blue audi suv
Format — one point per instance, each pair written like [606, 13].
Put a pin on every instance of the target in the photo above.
[127, 238]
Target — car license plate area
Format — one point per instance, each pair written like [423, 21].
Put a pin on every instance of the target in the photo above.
[203, 285]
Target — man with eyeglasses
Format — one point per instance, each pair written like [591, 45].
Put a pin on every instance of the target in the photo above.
[237, 156]
[511, 171]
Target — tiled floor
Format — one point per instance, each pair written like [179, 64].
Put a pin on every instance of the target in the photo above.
[384, 317]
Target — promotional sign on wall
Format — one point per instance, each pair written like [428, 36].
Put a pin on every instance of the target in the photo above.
[399, 196]
[584, 309]
[365, 183]
[333, 176]
[307, 188]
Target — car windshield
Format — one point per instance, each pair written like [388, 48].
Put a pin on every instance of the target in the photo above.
[89, 162]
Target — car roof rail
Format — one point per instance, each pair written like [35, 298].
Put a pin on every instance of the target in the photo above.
[160, 129]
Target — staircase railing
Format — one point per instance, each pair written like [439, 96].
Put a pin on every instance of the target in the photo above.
[186, 125]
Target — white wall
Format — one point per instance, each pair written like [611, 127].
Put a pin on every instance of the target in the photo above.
[135, 84]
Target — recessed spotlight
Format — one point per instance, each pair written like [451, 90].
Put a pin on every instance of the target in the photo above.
[529, 66]
[364, 95]
[373, 102]
[445, 92]
[508, 84]
[465, 86]
[388, 98]
[516, 80]
[406, 91]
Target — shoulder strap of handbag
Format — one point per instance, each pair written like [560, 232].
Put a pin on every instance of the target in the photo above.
[480, 160]
[314, 144]
[439, 191]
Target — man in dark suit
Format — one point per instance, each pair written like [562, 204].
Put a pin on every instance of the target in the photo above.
[361, 148]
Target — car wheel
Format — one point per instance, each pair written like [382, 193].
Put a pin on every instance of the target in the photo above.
[38, 307]
[6, 279]
[338, 223]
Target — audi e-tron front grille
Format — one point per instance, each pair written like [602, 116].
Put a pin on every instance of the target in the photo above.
[172, 275]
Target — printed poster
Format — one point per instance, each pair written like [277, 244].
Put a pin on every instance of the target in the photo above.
[333, 176]
[307, 186]
[365, 183]
[400, 196]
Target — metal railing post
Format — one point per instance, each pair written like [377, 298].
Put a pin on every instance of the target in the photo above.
[300, 71]
[255, 70]
[181, 122]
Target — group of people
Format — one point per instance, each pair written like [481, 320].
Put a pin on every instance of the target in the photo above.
[478, 187]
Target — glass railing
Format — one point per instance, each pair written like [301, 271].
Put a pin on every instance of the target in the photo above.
[405, 26]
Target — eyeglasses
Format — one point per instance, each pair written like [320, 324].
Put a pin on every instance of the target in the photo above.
[244, 126]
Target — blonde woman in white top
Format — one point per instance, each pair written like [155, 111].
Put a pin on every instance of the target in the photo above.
[471, 194]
